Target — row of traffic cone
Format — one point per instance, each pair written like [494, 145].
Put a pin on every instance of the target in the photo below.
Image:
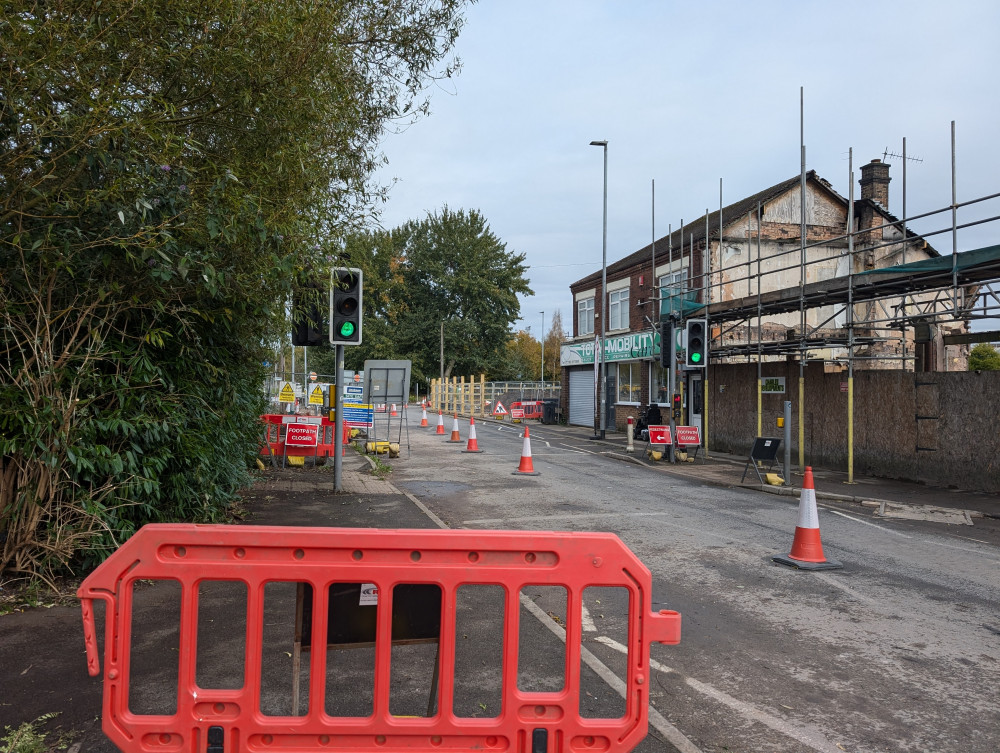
[525, 467]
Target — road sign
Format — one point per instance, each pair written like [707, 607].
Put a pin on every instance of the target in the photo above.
[499, 410]
[301, 435]
[517, 413]
[287, 393]
[316, 395]
[313, 376]
[688, 436]
[352, 390]
[659, 435]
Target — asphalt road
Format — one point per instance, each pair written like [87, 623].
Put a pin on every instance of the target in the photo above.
[897, 651]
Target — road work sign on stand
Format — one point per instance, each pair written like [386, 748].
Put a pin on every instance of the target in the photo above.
[499, 410]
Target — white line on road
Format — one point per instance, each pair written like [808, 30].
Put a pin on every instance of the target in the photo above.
[669, 732]
[673, 735]
[586, 621]
[809, 737]
[865, 522]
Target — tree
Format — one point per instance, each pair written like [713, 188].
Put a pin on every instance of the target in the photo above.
[523, 358]
[168, 172]
[451, 268]
[554, 339]
[984, 357]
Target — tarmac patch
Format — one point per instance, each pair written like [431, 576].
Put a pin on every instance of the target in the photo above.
[931, 513]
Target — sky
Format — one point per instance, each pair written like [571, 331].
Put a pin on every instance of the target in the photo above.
[688, 94]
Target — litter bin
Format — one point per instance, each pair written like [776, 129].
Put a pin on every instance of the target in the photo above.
[549, 409]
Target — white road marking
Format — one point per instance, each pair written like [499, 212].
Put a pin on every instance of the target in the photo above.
[673, 735]
[865, 522]
[808, 737]
[586, 621]
[669, 732]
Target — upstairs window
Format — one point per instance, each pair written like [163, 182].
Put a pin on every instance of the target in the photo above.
[585, 317]
[618, 309]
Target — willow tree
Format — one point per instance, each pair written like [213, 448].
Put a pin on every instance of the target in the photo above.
[168, 171]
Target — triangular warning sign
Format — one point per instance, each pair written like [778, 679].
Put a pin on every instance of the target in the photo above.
[316, 396]
[499, 410]
[287, 394]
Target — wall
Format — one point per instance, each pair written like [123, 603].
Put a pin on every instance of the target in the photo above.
[956, 432]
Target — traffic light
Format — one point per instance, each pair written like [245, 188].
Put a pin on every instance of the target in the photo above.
[697, 343]
[677, 406]
[345, 306]
[307, 316]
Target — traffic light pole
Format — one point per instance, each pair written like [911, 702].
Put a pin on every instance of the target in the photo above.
[338, 413]
[672, 384]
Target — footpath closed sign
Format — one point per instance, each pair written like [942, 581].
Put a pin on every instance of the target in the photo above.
[688, 435]
[301, 435]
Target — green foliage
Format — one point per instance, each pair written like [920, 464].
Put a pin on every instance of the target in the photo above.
[169, 171]
[27, 738]
[449, 267]
[984, 357]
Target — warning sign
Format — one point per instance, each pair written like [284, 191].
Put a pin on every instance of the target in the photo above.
[688, 436]
[286, 394]
[301, 435]
[499, 410]
[316, 395]
[659, 435]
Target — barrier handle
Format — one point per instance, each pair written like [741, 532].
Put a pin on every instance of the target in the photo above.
[665, 627]
[90, 637]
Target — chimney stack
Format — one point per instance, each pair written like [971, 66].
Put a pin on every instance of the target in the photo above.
[875, 183]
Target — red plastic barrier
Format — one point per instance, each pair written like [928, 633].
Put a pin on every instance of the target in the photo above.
[276, 426]
[531, 408]
[229, 720]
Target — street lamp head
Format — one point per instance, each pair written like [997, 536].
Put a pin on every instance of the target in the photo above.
[599, 143]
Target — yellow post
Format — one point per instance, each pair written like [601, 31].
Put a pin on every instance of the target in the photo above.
[802, 422]
[482, 394]
[850, 429]
[760, 410]
[704, 416]
[461, 395]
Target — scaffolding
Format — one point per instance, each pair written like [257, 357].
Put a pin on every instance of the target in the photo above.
[868, 297]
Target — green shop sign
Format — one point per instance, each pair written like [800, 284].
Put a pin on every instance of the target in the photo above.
[621, 348]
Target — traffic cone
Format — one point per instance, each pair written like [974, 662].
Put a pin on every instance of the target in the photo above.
[807, 549]
[423, 418]
[393, 410]
[473, 445]
[440, 424]
[526, 468]
[455, 436]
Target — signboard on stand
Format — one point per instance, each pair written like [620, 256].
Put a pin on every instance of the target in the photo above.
[301, 435]
[659, 435]
[287, 393]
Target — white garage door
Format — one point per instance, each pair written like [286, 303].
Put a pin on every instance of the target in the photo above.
[581, 397]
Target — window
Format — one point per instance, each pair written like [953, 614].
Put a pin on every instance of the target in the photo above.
[659, 389]
[585, 317]
[627, 377]
[672, 287]
[618, 309]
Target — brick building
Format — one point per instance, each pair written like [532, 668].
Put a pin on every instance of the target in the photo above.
[758, 251]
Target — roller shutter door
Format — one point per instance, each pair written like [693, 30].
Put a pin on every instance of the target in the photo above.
[581, 397]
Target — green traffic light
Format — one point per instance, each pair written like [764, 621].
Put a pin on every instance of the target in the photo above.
[696, 357]
[347, 329]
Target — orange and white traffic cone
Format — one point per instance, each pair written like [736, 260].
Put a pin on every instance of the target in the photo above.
[526, 468]
[423, 418]
[807, 548]
[393, 413]
[440, 424]
[455, 436]
[473, 445]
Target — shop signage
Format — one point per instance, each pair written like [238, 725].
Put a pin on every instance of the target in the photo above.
[619, 348]
[772, 385]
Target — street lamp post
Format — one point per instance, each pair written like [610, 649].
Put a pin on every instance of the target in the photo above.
[604, 294]
[543, 352]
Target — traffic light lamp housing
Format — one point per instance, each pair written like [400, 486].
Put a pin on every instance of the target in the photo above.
[697, 343]
[346, 285]
[307, 317]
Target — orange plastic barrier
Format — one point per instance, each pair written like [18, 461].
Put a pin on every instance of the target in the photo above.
[276, 426]
[229, 720]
